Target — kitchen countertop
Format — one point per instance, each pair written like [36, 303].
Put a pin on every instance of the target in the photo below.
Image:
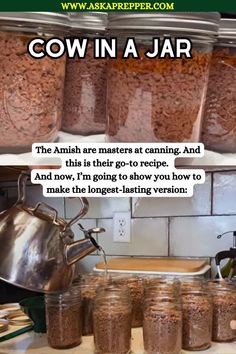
[32, 343]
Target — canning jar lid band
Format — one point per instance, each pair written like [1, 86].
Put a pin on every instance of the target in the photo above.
[42, 18]
[68, 297]
[227, 28]
[96, 21]
[194, 22]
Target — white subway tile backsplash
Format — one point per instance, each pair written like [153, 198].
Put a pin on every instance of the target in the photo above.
[149, 237]
[34, 195]
[99, 207]
[199, 204]
[224, 193]
[197, 236]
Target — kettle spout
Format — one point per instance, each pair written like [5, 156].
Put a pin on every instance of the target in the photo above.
[80, 249]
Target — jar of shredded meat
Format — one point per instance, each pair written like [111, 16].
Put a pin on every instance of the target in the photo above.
[219, 124]
[197, 319]
[89, 285]
[85, 85]
[196, 283]
[135, 286]
[224, 311]
[162, 323]
[63, 315]
[159, 100]
[31, 90]
[112, 320]
[162, 284]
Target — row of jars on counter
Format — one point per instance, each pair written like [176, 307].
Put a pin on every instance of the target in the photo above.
[134, 100]
[174, 314]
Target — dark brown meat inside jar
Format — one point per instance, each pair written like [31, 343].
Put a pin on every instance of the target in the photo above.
[31, 89]
[197, 320]
[224, 311]
[63, 316]
[112, 321]
[86, 80]
[135, 285]
[162, 324]
[159, 100]
[89, 285]
[219, 123]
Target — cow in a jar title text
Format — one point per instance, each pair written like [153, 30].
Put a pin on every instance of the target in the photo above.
[161, 48]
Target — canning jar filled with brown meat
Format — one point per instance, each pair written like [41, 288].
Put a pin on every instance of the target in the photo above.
[112, 320]
[219, 123]
[161, 284]
[189, 283]
[63, 315]
[31, 90]
[162, 323]
[197, 319]
[224, 311]
[89, 285]
[159, 99]
[135, 285]
[85, 85]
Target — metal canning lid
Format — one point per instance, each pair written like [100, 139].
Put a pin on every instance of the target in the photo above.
[227, 28]
[95, 21]
[190, 22]
[35, 18]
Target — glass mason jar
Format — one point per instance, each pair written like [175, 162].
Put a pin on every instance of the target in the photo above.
[159, 100]
[63, 317]
[85, 85]
[220, 283]
[152, 279]
[135, 285]
[31, 90]
[89, 285]
[224, 311]
[219, 128]
[197, 319]
[193, 283]
[162, 324]
[162, 284]
[112, 320]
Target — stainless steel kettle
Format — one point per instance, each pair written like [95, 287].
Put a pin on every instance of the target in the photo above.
[37, 248]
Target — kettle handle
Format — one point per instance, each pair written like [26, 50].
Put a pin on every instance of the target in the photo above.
[55, 214]
[83, 211]
[23, 177]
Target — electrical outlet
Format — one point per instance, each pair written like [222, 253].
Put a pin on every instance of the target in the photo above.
[121, 227]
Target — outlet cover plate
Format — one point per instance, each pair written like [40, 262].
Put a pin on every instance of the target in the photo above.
[121, 226]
